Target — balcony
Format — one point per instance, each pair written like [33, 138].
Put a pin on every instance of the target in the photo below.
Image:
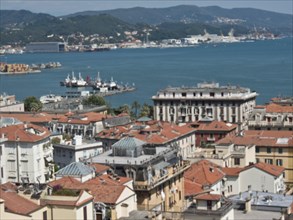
[158, 180]
[223, 210]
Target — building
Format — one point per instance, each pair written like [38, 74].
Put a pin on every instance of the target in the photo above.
[113, 195]
[45, 47]
[75, 150]
[8, 103]
[210, 207]
[208, 131]
[157, 173]
[277, 115]
[251, 201]
[154, 133]
[188, 104]
[257, 177]
[27, 153]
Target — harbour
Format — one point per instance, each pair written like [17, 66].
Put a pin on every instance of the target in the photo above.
[264, 66]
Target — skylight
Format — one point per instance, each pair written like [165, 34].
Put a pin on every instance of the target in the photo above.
[282, 141]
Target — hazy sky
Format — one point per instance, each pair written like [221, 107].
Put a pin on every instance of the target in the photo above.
[64, 7]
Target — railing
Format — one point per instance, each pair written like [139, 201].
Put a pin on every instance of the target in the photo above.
[223, 210]
[171, 171]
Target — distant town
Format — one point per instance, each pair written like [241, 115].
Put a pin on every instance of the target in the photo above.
[202, 152]
[131, 41]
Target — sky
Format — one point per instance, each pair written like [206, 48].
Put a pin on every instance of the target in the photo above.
[65, 7]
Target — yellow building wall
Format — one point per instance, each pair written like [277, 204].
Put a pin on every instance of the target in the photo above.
[286, 156]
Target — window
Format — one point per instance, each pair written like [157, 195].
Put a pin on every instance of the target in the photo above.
[280, 150]
[236, 161]
[2, 172]
[269, 150]
[257, 160]
[85, 213]
[11, 165]
[212, 94]
[45, 215]
[0, 150]
[183, 94]
[269, 161]
[279, 162]
[256, 149]
[179, 195]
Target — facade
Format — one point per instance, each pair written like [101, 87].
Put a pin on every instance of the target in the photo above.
[273, 116]
[157, 173]
[154, 133]
[222, 103]
[257, 177]
[27, 153]
[208, 132]
[45, 47]
[76, 150]
[9, 104]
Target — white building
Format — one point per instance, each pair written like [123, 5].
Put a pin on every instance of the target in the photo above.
[25, 153]
[9, 104]
[223, 103]
[75, 151]
[256, 177]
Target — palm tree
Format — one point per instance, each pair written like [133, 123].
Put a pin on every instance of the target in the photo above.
[136, 106]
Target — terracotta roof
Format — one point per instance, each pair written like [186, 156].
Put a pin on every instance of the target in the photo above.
[85, 118]
[213, 197]
[99, 168]
[103, 188]
[28, 117]
[216, 126]
[276, 108]
[153, 132]
[17, 204]
[231, 171]
[22, 132]
[261, 138]
[268, 168]
[204, 172]
[192, 188]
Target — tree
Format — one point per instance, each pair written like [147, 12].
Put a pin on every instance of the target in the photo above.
[146, 110]
[94, 100]
[136, 106]
[32, 104]
[124, 109]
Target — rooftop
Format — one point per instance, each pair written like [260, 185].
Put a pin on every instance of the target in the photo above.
[75, 169]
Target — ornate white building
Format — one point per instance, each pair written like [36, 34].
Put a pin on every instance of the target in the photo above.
[186, 104]
[25, 153]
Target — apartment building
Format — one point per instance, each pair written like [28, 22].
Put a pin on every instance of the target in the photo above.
[188, 104]
[157, 173]
[277, 115]
[26, 153]
[154, 133]
[75, 150]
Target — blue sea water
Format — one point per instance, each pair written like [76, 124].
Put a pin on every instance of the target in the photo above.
[263, 66]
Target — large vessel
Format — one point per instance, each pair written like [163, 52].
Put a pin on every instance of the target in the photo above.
[73, 81]
[50, 98]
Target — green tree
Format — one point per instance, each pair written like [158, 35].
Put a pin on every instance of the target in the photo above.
[124, 109]
[94, 100]
[146, 110]
[135, 106]
[32, 104]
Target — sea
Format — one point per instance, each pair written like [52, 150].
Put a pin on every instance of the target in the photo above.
[263, 66]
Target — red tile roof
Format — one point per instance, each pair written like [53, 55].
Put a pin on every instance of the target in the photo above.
[153, 132]
[204, 172]
[99, 168]
[276, 108]
[216, 126]
[16, 203]
[22, 132]
[231, 171]
[103, 188]
[213, 197]
[192, 188]
[260, 138]
[268, 168]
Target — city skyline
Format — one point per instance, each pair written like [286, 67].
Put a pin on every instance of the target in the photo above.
[59, 8]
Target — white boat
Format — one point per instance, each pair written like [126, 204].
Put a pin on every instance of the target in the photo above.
[73, 80]
[80, 82]
[50, 98]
